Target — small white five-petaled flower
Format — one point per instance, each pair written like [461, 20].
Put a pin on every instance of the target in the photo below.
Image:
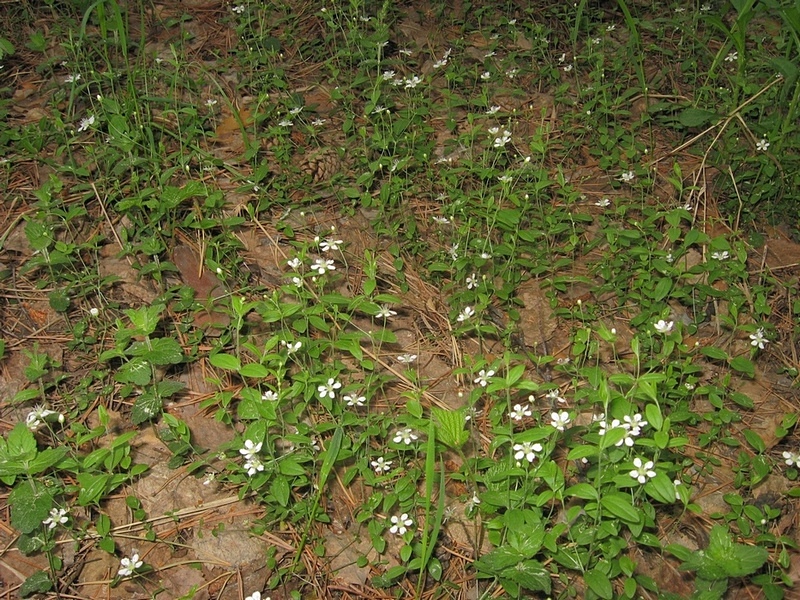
[792, 458]
[328, 390]
[627, 176]
[519, 412]
[250, 449]
[384, 312]
[483, 377]
[762, 145]
[354, 400]
[527, 450]
[86, 123]
[322, 266]
[662, 326]
[604, 203]
[58, 516]
[559, 420]
[381, 465]
[407, 359]
[465, 314]
[643, 470]
[405, 436]
[758, 338]
[127, 566]
[721, 255]
[400, 524]
[257, 596]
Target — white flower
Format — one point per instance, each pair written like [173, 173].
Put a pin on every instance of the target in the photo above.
[485, 255]
[250, 449]
[604, 203]
[353, 400]
[677, 483]
[611, 27]
[412, 82]
[322, 266]
[505, 179]
[441, 220]
[501, 141]
[294, 262]
[381, 465]
[238, 9]
[527, 450]
[567, 68]
[58, 516]
[762, 145]
[285, 123]
[723, 255]
[643, 470]
[758, 338]
[559, 420]
[669, 258]
[511, 73]
[634, 423]
[405, 52]
[465, 314]
[317, 122]
[472, 281]
[291, 347]
[253, 466]
[662, 326]
[405, 436]
[407, 359]
[72, 78]
[297, 282]
[385, 312]
[127, 566]
[553, 395]
[483, 377]
[38, 416]
[211, 102]
[486, 75]
[453, 251]
[86, 123]
[493, 110]
[400, 524]
[732, 56]
[328, 390]
[705, 7]
[379, 109]
[627, 176]
[520, 411]
[296, 111]
[257, 595]
[330, 244]
[792, 457]
[269, 396]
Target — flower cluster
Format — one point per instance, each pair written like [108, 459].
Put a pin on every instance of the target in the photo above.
[632, 425]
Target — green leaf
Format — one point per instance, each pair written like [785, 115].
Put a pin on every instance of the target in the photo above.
[531, 575]
[136, 371]
[46, 459]
[162, 351]
[715, 353]
[280, 490]
[661, 488]
[92, 488]
[743, 365]
[755, 441]
[38, 583]
[146, 406]
[696, 117]
[582, 490]
[290, 466]
[225, 361]
[620, 506]
[599, 583]
[653, 416]
[450, 427]
[254, 370]
[30, 503]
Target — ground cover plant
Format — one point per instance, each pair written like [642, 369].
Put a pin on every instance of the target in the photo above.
[399, 300]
